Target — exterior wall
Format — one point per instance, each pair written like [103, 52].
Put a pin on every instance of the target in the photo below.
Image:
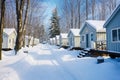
[9, 40]
[64, 42]
[58, 41]
[114, 23]
[13, 39]
[77, 41]
[87, 30]
[101, 36]
[74, 41]
[71, 39]
[28, 41]
[5, 41]
[53, 41]
[101, 41]
[36, 41]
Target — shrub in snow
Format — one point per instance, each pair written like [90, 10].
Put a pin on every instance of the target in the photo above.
[100, 59]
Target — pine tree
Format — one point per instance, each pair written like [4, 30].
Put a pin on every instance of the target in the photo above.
[54, 27]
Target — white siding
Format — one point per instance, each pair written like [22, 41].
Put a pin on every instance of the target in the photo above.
[77, 41]
[9, 40]
[5, 41]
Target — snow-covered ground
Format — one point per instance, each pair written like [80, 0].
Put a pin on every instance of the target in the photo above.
[45, 62]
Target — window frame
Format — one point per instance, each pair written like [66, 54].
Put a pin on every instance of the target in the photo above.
[91, 37]
[117, 35]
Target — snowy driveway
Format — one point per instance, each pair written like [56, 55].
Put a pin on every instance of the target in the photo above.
[45, 62]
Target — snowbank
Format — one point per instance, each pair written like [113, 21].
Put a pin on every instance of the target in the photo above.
[45, 62]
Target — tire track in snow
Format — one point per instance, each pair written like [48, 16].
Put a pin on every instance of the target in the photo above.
[62, 68]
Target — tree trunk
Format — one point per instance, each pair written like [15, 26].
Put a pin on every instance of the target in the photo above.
[93, 9]
[79, 13]
[25, 21]
[86, 9]
[19, 11]
[2, 25]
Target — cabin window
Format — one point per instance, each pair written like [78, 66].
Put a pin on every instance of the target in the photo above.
[83, 38]
[116, 35]
[92, 37]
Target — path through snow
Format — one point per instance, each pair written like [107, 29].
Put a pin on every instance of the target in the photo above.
[45, 62]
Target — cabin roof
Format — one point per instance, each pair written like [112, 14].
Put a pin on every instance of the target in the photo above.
[96, 24]
[75, 32]
[53, 38]
[64, 35]
[8, 31]
[112, 15]
[57, 36]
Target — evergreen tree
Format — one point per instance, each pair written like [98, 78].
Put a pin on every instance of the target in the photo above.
[54, 27]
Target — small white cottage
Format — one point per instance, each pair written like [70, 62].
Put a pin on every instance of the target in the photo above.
[9, 38]
[51, 41]
[29, 41]
[36, 41]
[63, 39]
[54, 41]
[57, 39]
[93, 35]
[74, 38]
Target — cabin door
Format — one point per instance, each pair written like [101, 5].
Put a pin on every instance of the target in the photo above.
[87, 40]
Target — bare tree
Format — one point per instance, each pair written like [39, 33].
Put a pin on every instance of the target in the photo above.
[25, 21]
[111, 5]
[2, 25]
[87, 9]
[34, 22]
[79, 13]
[20, 22]
[93, 8]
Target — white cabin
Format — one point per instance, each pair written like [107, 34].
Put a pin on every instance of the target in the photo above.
[74, 38]
[36, 41]
[9, 38]
[63, 39]
[93, 35]
[29, 41]
[57, 39]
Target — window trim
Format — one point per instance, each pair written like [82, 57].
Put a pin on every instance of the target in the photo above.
[92, 36]
[117, 35]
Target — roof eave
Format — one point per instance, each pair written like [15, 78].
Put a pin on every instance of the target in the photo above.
[112, 15]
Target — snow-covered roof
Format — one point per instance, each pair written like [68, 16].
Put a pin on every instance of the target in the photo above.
[26, 36]
[8, 31]
[112, 15]
[75, 32]
[53, 38]
[57, 36]
[64, 35]
[97, 24]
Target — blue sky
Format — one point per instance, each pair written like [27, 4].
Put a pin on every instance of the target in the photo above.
[51, 4]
